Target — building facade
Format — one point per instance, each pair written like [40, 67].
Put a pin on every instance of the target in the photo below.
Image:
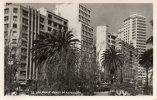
[134, 33]
[79, 18]
[22, 25]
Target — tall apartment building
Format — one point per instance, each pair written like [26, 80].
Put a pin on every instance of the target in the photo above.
[130, 61]
[79, 18]
[134, 32]
[22, 26]
[105, 39]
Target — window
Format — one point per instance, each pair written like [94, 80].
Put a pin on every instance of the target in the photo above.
[12, 56]
[49, 22]
[83, 19]
[14, 33]
[6, 18]
[14, 25]
[55, 24]
[41, 20]
[65, 23]
[23, 65]
[14, 18]
[5, 33]
[24, 43]
[22, 73]
[42, 27]
[14, 48]
[24, 35]
[15, 10]
[6, 41]
[14, 41]
[49, 16]
[25, 28]
[60, 27]
[23, 50]
[89, 11]
[25, 21]
[6, 11]
[49, 29]
[6, 26]
[25, 13]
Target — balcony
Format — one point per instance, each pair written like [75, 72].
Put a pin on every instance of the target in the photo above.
[50, 23]
[25, 13]
[24, 28]
[58, 21]
[42, 20]
[25, 21]
[42, 27]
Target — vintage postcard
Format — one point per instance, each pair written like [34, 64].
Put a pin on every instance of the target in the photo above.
[75, 48]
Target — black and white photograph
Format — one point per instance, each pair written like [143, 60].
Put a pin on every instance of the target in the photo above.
[78, 49]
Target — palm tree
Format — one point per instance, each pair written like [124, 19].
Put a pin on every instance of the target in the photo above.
[146, 61]
[112, 60]
[150, 40]
[57, 55]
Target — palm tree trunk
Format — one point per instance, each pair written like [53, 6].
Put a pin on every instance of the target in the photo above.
[121, 81]
[112, 79]
[146, 76]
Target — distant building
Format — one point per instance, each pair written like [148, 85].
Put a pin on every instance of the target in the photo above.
[22, 26]
[105, 39]
[134, 32]
[79, 18]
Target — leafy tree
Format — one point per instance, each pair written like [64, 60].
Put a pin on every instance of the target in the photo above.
[10, 69]
[88, 73]
[146, 61]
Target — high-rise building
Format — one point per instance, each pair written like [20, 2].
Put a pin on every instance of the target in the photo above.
[105, 39]
[79, 18]
[134, 32]
[22, 26]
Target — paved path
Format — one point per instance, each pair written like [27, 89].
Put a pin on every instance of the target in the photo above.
[101, 93]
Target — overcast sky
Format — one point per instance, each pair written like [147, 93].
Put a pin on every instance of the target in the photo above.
[111, 14]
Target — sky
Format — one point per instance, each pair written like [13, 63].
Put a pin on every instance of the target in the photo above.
[111, 14]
